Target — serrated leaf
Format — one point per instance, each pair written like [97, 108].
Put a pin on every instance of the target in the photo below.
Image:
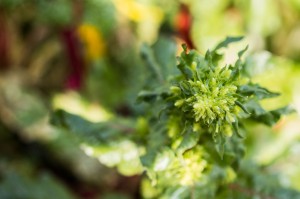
[272, 117]
[284, 110]
[185, 62]
[240, 54]
[228, 41]
[257, 91]
[267, 117]
[236, 71]
[209, 57]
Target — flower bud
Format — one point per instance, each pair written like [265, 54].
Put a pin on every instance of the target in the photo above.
[194, 65]
[175, 89]
[179, 103]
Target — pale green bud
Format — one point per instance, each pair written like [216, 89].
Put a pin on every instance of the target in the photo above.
[179, 103]
[194, 65]
[215, 91]
[190, 99]
[213, 82]
[229, 118]
[203, 88]
[175, 89]
[227, 130]
[227, 73]
[196, 127]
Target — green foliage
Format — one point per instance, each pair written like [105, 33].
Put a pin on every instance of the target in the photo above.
[22, 183]
[211, 98]
[198, 130]
[205, 100]
[190, 136]
[98, 13]
[55, 12]
[110, 142]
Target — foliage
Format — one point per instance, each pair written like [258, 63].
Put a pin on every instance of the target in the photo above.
[138, 126]
[42, 187]
[190, 139]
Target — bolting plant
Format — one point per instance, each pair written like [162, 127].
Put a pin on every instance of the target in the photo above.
[188, 133]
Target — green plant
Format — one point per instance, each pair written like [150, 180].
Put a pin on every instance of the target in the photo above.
[188, 135]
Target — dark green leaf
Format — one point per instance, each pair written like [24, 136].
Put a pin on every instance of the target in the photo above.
[270, 118]
[253, 107]
[147, 96]
[16, 184]
[185, 62]
[237, 130]
[257, 91]
[93, 133]
[242, 107]
[263, 116]
[149, 58]
[165, 53]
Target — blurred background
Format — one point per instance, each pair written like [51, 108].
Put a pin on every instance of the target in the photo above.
[84, 57]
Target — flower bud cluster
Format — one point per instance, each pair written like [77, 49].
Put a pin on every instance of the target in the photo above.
[192, 161]
[210, 100]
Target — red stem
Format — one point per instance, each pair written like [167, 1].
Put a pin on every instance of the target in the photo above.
[184, 25]
[4, 43]
[75, 79]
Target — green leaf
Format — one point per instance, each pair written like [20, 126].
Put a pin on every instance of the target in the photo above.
[269, 118]
[110, 142]
[93, 133]
[149, 158]
[240, 54]
[237, 129]
[228, 41]
[150, 60]
[190, 140]
[20, 184]
[253, 107]
[220, 145]
[147, 96]
[185, 62]
[257, 91]
[242, 107]
[272, 117]
[165, 53]
[284, 110]
[155, 142]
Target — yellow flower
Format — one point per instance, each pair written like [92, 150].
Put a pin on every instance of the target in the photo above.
[92, 39]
